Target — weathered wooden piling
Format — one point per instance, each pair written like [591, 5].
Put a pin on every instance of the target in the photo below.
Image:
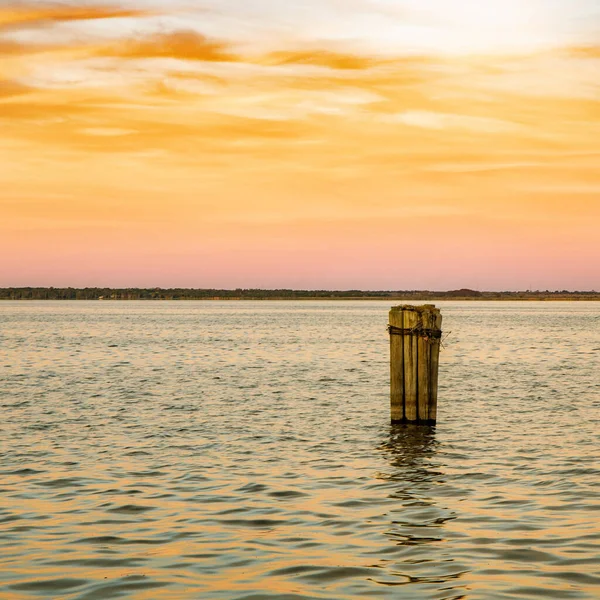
[415, 334]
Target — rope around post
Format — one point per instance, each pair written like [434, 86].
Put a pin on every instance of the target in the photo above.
[418, 330]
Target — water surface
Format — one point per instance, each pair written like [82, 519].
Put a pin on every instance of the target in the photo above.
[229, 450]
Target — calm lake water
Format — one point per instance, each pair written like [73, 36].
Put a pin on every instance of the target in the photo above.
[213, 450]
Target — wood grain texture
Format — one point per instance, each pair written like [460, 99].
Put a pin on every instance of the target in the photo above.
[434, 367]
[411, 357]
[396, 319]
[423, 367]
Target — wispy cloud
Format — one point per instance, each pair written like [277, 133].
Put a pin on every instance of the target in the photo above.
[320, 58]
[30, 15]
[184, 45]
[10, 88]
[437, 120]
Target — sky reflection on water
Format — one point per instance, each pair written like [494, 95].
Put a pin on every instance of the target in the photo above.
[243, 451]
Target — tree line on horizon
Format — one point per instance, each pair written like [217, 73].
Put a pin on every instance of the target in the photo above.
[97, 293]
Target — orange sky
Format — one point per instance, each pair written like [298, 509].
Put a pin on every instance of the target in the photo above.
[372, 144]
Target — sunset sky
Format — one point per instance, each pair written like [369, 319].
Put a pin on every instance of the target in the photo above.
[373, 144]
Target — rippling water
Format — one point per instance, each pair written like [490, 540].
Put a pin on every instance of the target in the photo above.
[243, 451]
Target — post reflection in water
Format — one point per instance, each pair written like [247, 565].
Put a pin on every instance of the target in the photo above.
[417, 527]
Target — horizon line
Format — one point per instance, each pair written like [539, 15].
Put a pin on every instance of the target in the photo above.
[303, 290]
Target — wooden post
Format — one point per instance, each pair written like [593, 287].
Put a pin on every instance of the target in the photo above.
[411, 372]
[415, 333]
[397, 367]
[434, 349]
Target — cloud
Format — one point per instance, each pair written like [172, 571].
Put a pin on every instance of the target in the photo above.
[332, 111]
[183, 44]
[36, 14]
[107, 131]
[9, 88]
[436, 120]
[320, 58]
[12, 47]
[585, 51]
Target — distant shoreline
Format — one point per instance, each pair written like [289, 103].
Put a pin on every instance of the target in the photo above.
[348, 299]
[240, 295]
